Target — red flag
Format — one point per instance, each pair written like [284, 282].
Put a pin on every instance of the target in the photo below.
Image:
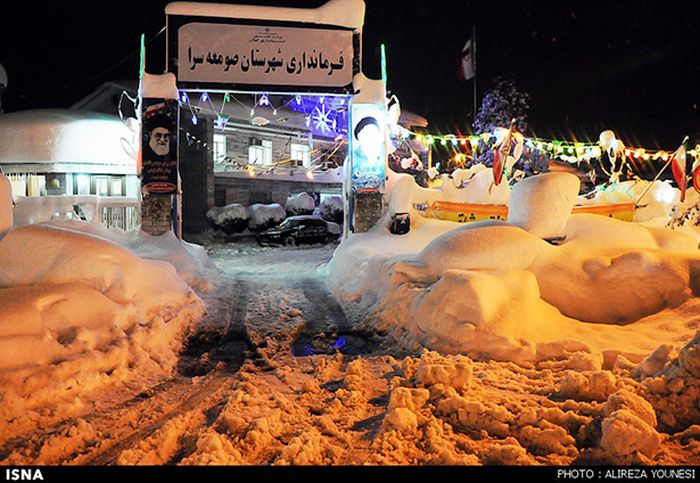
[678, 163]
[498, 166]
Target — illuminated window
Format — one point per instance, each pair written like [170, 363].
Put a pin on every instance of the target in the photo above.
[83, 182]
[36, 185]
[102, 185]
[260, 151]
[302, 154]
[117, 187]
[219, 148]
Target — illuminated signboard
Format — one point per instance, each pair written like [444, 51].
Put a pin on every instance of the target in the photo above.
[215, 53]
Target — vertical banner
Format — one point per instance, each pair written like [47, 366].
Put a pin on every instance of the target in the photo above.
[368, 147]
[159, 154]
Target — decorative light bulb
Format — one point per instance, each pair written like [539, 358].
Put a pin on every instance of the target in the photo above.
[184, 98]
[298, 100]
[194, 119]
[204, 97]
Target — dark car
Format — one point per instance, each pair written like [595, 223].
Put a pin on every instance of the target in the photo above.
[300, 229]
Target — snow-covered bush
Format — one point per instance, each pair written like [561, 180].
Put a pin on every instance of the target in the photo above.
[263, 217]
[229, 219]
[332, 209]
[300, 204]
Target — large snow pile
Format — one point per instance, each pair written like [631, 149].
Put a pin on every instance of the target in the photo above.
[300, 204]
[80, 311]
[542, 204]
[332, 209]
[6, 216]
[494, 289]
[265, 216]
[231, 218]
[190, 261]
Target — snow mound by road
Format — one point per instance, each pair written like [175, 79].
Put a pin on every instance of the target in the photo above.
[190, 261]
[492, 289]
[80, 311]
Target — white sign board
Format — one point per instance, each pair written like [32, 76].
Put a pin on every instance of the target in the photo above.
[263, 55]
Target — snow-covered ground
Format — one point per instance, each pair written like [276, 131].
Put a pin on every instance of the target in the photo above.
[245, 393]
[474, 344]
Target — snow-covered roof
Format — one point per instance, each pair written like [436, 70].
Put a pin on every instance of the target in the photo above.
[341, 13]
[65, 136]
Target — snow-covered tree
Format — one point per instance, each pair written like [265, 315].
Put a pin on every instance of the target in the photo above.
[502, 103]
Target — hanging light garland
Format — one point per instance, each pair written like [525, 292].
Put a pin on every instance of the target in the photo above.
[572, 152]
[222, 120]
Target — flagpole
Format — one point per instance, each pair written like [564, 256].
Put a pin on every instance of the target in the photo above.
[474, 67]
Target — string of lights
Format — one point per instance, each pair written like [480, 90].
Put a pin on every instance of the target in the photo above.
[571, 151]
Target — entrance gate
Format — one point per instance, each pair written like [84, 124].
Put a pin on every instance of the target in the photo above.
[224, 51]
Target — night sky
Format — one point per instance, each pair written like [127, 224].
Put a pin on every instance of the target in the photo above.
[631, 66]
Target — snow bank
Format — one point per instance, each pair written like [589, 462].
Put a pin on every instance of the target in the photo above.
[332, 209]
[492, 289]
[6, 216]
[265, 216]
[231, 218]
[45, 255]
[80, 311]
[190, 261]
[300, 204]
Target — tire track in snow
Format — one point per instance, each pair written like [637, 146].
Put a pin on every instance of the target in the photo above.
[204, 343]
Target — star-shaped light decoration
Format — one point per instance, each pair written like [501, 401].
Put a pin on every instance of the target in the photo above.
[322, 119]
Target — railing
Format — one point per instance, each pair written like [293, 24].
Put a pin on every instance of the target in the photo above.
[111, 211]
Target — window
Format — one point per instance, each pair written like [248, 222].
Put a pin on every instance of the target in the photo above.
[83, 182]
[101, 186]
[260, 151]
[219, 148]
[116, 187]
[37, 185]
[301, 153]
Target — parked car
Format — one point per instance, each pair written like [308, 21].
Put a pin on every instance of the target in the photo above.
[296, 230]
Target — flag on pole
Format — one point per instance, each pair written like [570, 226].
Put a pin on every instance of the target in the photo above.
[678, 165]
[696, 178]
[467, 66]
